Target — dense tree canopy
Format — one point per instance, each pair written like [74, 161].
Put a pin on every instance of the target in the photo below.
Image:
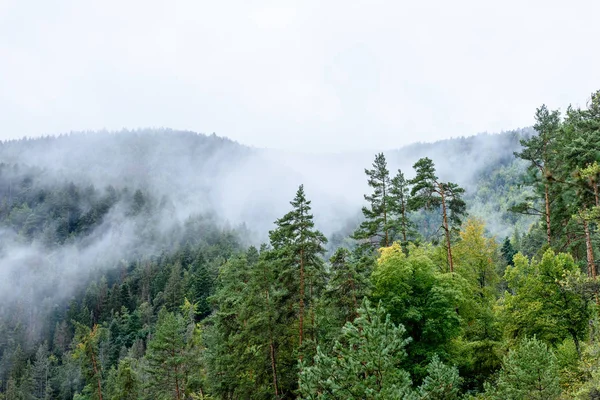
[413, 301]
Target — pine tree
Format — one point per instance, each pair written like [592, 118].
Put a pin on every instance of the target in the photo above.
[539, 152]
[173, 294]
[298, 247]
[577, 163]
[376, 229]
[365, 362]
[348, 284]
[267, 326]
[126, 385]
[442, 382]
[41, 373]
[167, 358]
[87, 352]
[530, 371]
[400, 196]
[227, 359]
[428, 192]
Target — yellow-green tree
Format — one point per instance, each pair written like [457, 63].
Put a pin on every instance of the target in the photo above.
[549, 298]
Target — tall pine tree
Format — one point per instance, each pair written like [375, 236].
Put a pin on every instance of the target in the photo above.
[298, 247]
[400, 196]
[429, 192]
[376, 230]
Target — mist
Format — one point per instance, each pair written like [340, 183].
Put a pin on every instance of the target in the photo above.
[189, 178]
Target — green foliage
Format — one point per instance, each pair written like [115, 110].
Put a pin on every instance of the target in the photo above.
[528, 372]
[419, 298]
[168, 359]
[124, 382]
[364, 363]
[348, 284]
[87, 353]
[441, 383]
[476, 351]
[508, 251]
[404, 228]
[429, 193]
[376, 229]
[549, 299]
[190, 314]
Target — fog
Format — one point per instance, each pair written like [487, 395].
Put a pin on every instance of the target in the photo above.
[186, 174]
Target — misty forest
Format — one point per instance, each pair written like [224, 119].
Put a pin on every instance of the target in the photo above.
[159, 264]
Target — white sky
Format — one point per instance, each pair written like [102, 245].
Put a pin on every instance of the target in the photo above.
[307, 75]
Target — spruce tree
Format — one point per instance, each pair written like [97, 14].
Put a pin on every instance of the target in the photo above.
[508, 251]
[126, 384]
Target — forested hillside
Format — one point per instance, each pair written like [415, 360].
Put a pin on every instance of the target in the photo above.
[160, 264]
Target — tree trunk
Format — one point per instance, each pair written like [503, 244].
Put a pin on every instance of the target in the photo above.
[385, 227]
[547, 200]
[404, 228]
[177, 390]
[312, 315]
[271, 345]
[590, 250]
[301, 303]
[354, 300]
[273, 366]
[446, 228]
[97, 373]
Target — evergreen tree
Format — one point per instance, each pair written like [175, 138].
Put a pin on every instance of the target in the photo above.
[442, 382]
[377, 229]
[41, 373]
[167, 358]
[365, 362]
[508, 251]
[126, 385]
[87, 353]
[577, 157]
[226, 359]
[173, 294]
[347, 286]
[298, 247]
[267, 329]
[428, 192]
[528, 372]
[539, 152]
[400, 197]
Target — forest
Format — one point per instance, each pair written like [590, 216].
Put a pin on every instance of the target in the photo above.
[173, 265]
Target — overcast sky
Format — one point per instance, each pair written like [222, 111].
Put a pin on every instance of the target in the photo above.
[325, 75]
